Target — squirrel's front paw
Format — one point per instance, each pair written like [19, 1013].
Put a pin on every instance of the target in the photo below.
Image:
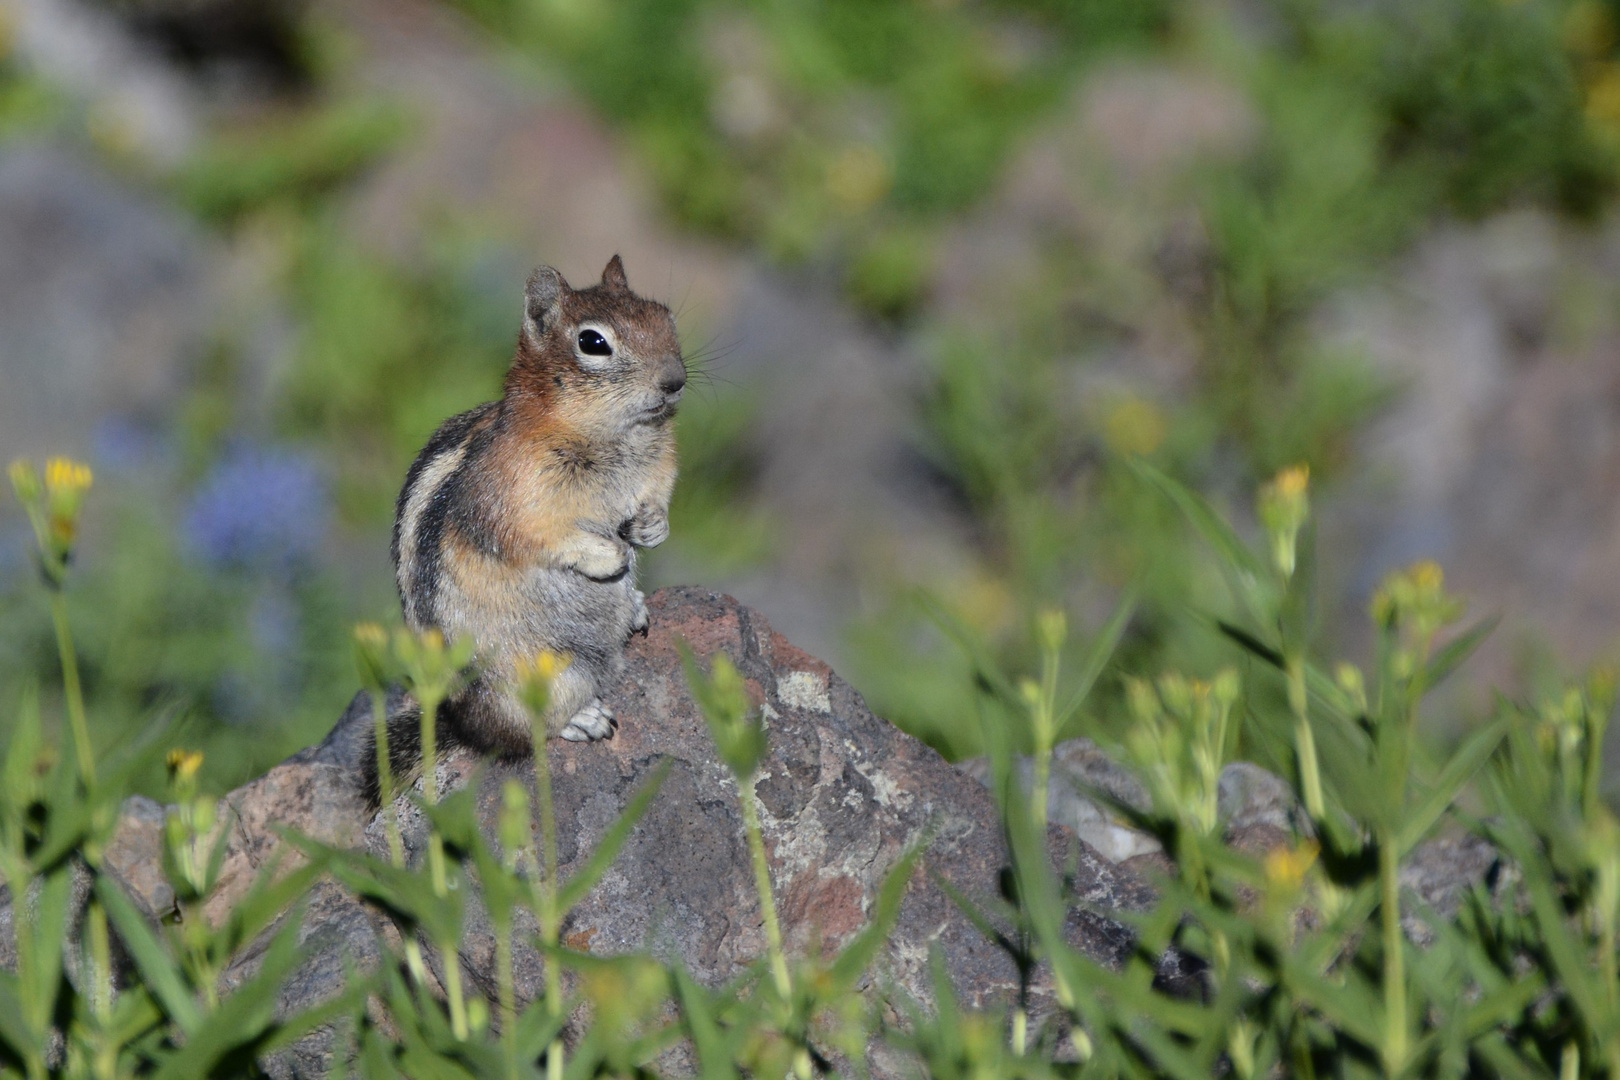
[649, 528]
[638, 619]
[594, 721]
[603, 561]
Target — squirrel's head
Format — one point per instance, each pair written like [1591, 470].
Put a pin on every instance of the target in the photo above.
[601, 356]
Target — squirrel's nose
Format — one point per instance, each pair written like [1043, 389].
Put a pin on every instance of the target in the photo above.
[672, 381]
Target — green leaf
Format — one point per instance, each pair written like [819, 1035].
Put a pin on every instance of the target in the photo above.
[19, 1037]
[240, 1026]
[581, 883]
[1251, 644]
[1459, 649]
[268, 900]
[41, 980]
[20, 777]
[1203, 518]
[856, 956]
[1097, 657]
[714, 1053]
[356, 989]
[159, 971]
[975, 914]
[1463, 767]
[537, 1027]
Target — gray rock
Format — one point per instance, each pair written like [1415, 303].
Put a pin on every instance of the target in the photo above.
[843, 795]
[1085, 778]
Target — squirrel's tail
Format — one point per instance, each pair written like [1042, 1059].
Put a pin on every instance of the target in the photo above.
[403, 728]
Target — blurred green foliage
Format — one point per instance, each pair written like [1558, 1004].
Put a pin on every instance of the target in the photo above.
[847, 139]
[1314, 957]
[1375, 121]
[841, 130]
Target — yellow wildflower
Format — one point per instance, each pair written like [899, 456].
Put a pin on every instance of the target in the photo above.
[183, 764]
[1286, 867]
[67, 476]
[1135, 426]
[535, 676]
[548, 665]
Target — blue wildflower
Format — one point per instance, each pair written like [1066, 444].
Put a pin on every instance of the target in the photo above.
[259, 509]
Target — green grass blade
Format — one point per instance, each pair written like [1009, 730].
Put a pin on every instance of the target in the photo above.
[1097, 656]
[1458, 650]
[855, 957]
[236, 1031]
[160, 972]
[1463, 767]
[715, 1058]
[1203, 518]
[19, 1038]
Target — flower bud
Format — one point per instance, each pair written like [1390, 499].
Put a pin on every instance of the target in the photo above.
[1052, 629]
[723, 697]
[534, 679]
[1283, 507]
[371, 657]
[25, 481]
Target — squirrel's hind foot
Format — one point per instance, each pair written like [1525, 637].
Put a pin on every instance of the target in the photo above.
[595, 721]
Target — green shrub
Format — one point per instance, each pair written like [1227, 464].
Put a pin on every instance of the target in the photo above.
[1301, 961]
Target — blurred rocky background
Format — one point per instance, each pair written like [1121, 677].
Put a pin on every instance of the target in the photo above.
[943, 267]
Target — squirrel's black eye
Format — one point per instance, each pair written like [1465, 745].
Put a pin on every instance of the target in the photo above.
[593, 344]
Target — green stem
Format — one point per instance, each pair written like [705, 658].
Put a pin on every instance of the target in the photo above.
[105, 1059]
[414, 961]
[430, 750]
[550, 917]
[1045, 736]
[385, 779]
[1310, 770]
[1042, 780]
[452, 987]
[767, 902]
[430, 792]
[503, 974]
[72, 688]
[1395, 1033]
[1611, 984]
[437, 870]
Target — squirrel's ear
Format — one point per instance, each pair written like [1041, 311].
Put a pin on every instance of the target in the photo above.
[541, 298]
[613, 277]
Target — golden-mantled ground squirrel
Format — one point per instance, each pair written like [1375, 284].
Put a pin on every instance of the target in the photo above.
[519, 521]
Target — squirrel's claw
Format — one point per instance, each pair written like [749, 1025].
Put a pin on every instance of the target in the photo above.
[595, 721]
[649, 528]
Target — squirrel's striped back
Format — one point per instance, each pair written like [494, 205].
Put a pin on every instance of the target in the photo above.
[432, 486]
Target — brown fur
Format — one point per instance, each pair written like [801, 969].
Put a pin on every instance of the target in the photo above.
[519, 521]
